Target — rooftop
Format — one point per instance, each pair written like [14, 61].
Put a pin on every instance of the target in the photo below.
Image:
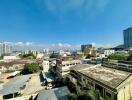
[81, 66]
[54, 94]
[129, 28]
[15, 85]
[108, 76]
[6, 64]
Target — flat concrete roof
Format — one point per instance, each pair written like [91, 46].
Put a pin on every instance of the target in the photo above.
[81, 66]
[110, 77]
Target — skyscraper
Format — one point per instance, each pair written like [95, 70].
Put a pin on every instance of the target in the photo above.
[128, 37]
[5, 48]
[86, 46]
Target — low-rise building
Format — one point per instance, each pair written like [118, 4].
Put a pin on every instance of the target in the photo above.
[64, 65]
[13, 88]
[109, 52]
[9, 58]
[112, 84]
[12, 66]
[39, 56]
[86, 61]
[92, 60]
[120, 66]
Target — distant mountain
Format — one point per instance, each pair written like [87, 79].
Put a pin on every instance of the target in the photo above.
[119, 47]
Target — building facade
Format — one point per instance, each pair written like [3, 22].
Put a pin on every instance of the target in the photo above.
[12, 65]
[63, 67]
[128, 38]
[109, 52]
[31, 52]
[111, 84]
[46, 65]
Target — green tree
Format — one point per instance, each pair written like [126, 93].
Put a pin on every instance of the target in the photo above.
[91, 95]
[30, 68]
[72, 96]
[1, 57]
[29, 56]
[55, 55]
[130, 56]
[117, 56]
[78, 90]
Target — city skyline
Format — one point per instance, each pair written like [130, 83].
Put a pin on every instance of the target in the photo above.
[64, 23]
[59, 46]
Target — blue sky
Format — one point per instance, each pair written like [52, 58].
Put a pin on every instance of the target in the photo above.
[64, 22]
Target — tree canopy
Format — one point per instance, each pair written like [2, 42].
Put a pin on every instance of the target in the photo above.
[55, 55]
[117, 56]
[130, 56]
[30, 55]
[124, 57]
[30, 68]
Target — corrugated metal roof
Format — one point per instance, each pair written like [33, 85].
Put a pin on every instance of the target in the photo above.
[15, 85]
[54, 94]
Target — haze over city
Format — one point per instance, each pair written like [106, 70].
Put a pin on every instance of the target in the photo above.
[64, 22]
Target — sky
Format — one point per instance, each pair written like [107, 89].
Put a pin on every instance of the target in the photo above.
[64, 23]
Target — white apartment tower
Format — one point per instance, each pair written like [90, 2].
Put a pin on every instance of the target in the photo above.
[5, 48]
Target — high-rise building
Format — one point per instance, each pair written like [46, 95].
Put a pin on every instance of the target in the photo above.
[5, 48]
[128, 37]
[87, 46]
[46, 51]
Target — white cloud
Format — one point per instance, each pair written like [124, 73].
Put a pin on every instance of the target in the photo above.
[19, 43]
[29, 43]
[60, 45]
[68, 45]
[102, 45]
[23, 43]
[64, 45]
[94, 44]
[64, 6]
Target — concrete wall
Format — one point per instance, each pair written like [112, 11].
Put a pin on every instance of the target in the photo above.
[125, 93]
[1, 97]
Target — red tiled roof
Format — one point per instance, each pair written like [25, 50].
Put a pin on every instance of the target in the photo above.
[6, 64]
